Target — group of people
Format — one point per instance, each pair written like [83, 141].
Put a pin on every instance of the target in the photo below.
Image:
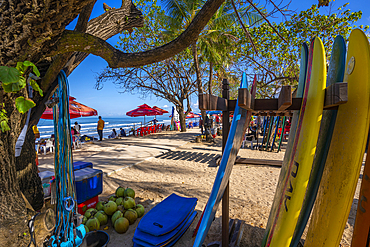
[75, 132]
[113, 135]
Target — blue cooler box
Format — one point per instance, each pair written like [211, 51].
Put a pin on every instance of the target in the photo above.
[89, 183]
[78, 165]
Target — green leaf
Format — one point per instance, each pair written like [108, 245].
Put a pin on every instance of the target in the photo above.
[34, 68]
[21, 68]
[23, 104]
[36, 87]
[4, 125]
[22, 82]
[9, 75]
[11, 88]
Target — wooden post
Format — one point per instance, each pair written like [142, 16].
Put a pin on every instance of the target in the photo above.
[225, 198]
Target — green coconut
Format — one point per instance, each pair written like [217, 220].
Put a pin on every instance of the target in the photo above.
[84, 219]
[86, 229]
[131, 216]
[102, 217]
[121, 225]
[116, 215]
[129, 192]
[100, 205]
[90, 212]
[93, 224]
[112, 198]
[119, 201]
[128, 203]
[120, 191]
[140, 210]
[110, 207]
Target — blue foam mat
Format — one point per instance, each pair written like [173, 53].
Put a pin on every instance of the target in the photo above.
[170, 242]
[167, 215]
[158, 240]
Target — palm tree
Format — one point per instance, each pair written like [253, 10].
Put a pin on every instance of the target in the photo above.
[215, 42]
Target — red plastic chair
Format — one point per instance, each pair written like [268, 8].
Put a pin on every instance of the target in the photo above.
[140, 131]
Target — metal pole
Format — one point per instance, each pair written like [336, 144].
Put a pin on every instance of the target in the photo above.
[225, 198]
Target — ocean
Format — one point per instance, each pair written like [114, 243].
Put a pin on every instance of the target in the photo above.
[89, 124]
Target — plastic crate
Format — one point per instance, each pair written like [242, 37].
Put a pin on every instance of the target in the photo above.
[78, 165]
[46, 177]
[89, 183]
[91, 203]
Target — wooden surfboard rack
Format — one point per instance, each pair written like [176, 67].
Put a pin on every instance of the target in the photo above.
[335, 95]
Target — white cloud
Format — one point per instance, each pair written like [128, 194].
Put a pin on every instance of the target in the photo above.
[165, 106]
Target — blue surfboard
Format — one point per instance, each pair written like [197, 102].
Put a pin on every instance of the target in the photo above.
[156, 222]
[238, 126]
[265, 120]
[269, 134]
[276, 129]
[171, 241]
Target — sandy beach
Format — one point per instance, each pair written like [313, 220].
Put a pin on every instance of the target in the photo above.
[158, 165]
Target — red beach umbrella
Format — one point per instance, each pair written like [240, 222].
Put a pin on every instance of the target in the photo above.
[159, 109]
[143, 110]
[76, 110]
[193, 115]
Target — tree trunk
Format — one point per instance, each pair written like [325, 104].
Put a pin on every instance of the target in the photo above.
[197, 71]
[104, 27]
[210, 78]
[180, 110]
[25, 166]
[13, 213]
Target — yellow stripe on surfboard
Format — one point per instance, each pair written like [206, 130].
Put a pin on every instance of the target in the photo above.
[346, 151]
[306, 146]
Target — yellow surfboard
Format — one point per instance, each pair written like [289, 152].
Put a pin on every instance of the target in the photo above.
[300, 163]
[346, 150]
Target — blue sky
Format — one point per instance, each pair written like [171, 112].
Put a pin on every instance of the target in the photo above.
[110, 103]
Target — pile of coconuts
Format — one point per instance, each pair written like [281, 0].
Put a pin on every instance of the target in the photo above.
[120, 208]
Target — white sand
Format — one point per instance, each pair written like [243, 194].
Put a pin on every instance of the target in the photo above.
[186, 172]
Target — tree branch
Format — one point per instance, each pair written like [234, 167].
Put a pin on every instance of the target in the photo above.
[264, 17]
[117, 24]
[84, 16]
[267, 70]
[244, 28]
[118, 59]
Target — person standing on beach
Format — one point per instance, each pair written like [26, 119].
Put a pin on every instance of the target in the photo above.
[201, 126]
[100, 128]
[77, 127]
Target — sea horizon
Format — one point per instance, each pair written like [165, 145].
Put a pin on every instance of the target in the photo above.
[89, 124]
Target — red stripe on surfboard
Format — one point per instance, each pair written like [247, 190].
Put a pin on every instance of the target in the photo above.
[298, 131]
[200, 220]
